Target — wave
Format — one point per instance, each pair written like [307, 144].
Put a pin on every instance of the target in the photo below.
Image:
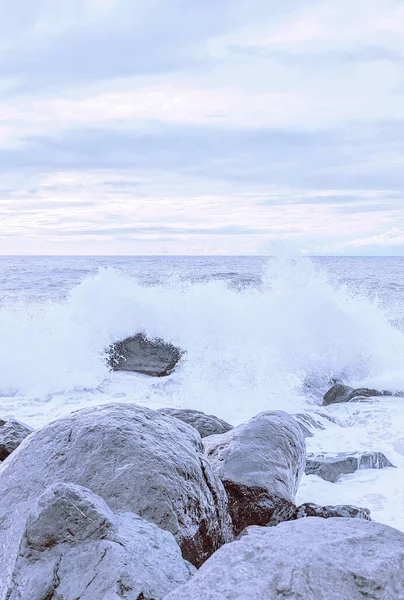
[272, 346]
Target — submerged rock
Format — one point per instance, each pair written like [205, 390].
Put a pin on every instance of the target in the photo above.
[12, 433]
[260, 464]
[143, 355]
[136, 459]
[205, 424]
[74, 547]
[308, 423]
[331, 466]
[343, 393]
[328, 512]
[307, 559]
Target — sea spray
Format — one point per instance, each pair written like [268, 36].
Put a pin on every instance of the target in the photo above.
[275, 345]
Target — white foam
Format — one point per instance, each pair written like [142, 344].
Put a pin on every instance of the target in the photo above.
[275, 347]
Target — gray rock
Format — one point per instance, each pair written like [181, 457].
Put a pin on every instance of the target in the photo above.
[331, 466]
[260, 464]
[142, 355]
[12, 433]
[268, 452]
[328, 512]
[75, 547]
[308, 559]
[343, 393]
[337, 393]
[136, 459]
[205, 424]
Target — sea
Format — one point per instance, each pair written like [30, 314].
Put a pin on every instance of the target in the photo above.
[259, 333]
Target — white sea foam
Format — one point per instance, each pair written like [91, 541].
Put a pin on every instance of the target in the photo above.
[274, 346]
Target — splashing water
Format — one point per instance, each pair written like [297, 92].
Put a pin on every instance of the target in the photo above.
[275, 345]
[257, 336]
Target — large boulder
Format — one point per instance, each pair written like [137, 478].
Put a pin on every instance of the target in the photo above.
[266, 455]
[330, 466]
[12, 433]
[143, 355]
[75, 547]
[308, 559]
[136, 459]
[205, 424]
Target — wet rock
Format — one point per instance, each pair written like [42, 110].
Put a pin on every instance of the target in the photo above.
[252, 505]
[308, 423]
[260, 464]
[343, 393]
[75, 547]
[310, 559]
[337, 393]
[12, 433]
[328, 512]
[331, 466]
[268, 452]
[205, 424]
[136, 459]
[142, 355]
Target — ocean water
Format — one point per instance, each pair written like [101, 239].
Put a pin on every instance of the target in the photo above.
[259, 334]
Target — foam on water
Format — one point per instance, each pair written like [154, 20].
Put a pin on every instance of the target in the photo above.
[275, 346]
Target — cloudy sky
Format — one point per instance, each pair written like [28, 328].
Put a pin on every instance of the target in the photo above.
[204, 126]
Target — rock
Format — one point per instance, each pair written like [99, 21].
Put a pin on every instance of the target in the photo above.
[136, 459]
[205, 424]
[331, 466]
[75, 547]
[337, 393]
[12, 433]
[142, 355]
[308, 559]
[268, 451]
[328, 512]
[343, 393]
[260, 464]
[252, 505]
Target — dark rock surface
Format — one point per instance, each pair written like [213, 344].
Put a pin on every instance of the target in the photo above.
[343, 393]
[74, 547]
[136, 459]
[205, 424]
[331, 466]
[337, 393]
[12, 433]
[142, 355]
[307, 559]
[328, 512]
[267, 452]
[251, 505]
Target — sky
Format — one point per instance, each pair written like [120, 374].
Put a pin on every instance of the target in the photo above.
[201, 127]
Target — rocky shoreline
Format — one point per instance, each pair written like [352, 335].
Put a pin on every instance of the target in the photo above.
[122, 501]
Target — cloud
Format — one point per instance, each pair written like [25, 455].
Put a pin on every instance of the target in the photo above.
[363, 157]
[157, 125]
